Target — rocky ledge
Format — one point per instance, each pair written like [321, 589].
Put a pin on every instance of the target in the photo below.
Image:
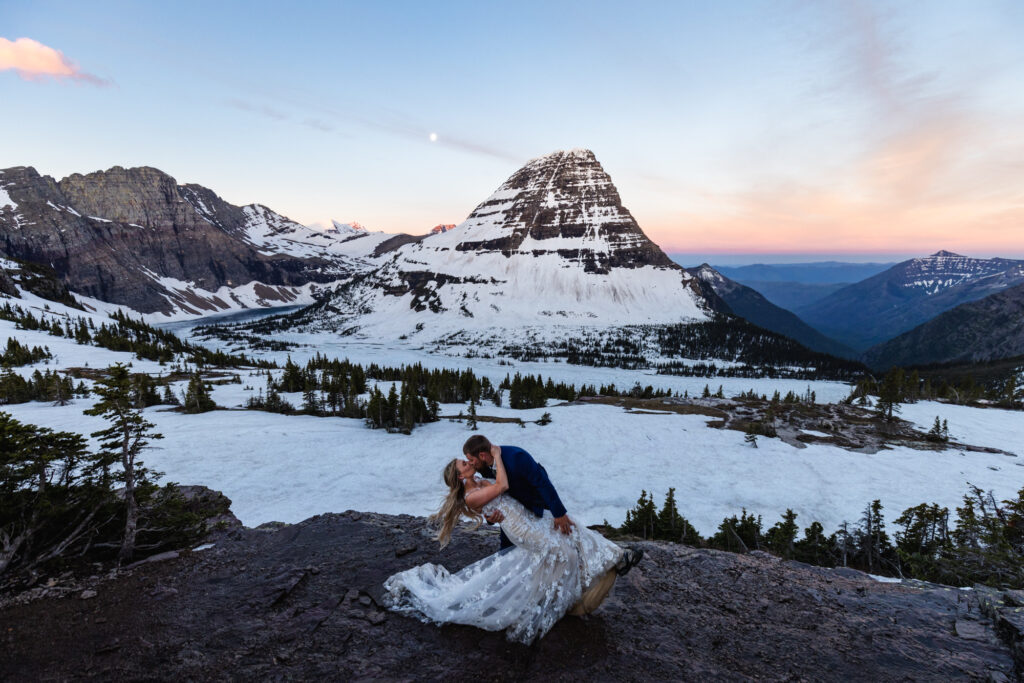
[303, 601]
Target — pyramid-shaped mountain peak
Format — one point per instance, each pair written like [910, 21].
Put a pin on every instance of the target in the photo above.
[553, 246]
[944, 253]
[562, 203]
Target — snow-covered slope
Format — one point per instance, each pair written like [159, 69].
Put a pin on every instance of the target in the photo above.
[552, 247]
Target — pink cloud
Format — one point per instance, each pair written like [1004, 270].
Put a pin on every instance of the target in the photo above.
[32, 60]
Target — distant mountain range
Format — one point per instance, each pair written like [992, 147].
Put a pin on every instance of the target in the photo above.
[794, 285]
[906, 295]
[550, 253]
[553, 247]
[815, 273]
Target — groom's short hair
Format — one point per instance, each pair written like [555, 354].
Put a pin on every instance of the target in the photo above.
[475, 444]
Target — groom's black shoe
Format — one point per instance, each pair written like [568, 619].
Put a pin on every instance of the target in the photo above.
[631, 558]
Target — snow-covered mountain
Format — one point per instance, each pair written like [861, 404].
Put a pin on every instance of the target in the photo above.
[553, 247]
[908, 294]
[136, 238]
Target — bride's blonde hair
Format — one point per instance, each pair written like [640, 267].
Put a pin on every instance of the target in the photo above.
[454, 505]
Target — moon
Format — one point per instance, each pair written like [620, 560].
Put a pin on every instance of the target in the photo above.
[433, 137]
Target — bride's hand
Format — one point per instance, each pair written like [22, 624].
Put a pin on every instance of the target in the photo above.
[501, 478]
[495, 517]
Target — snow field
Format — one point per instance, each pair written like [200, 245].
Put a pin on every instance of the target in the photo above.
[287, 468]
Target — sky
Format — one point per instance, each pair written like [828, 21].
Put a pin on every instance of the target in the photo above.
[745, 130]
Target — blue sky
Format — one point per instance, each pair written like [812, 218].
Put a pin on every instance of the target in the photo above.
[840, 127]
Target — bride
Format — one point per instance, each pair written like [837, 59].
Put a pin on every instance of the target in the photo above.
[524, 589]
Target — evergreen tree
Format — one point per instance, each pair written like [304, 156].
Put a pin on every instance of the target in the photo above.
[168, 398]
[890, 393]
[936, 433]
[197, 396]
[471, 421]
[642, 520]
[814, 547]
[781, 538]
[128, 434]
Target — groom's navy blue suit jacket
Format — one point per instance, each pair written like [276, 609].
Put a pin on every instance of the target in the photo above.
[529, 484]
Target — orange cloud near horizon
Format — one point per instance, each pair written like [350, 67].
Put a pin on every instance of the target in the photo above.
[32, 60]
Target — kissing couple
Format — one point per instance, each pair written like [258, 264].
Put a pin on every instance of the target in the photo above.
[548, 565]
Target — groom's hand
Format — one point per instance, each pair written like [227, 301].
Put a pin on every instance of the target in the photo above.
[495, 517]
[564, 524]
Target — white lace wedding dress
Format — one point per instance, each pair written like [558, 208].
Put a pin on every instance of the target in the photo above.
[524, 590]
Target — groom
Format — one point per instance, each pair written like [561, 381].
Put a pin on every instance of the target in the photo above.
[527, 481]
[529, 484]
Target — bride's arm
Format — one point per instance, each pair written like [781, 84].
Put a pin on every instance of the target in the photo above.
[482, 495]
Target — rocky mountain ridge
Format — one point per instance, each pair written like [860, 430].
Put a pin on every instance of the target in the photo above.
[137, 238]
[305, 601]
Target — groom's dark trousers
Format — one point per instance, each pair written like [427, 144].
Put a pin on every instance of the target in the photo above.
[528, 483]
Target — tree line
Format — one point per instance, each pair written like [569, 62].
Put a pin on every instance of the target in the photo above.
[125, 334]
[983, 543]
[332, 387]
[902, 386]
[751, 352]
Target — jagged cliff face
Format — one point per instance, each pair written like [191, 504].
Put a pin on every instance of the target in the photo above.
[137, 238]
[552, 247]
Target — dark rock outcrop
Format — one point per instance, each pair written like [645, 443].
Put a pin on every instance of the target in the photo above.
[304, 602]
[113, 234]
[37, 279]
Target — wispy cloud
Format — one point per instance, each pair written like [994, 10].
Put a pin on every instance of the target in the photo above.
[930, 167]
[33, 61]
[332, 120]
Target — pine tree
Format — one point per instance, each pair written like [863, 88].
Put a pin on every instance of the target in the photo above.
[751, 437]
[471, 421]
[781, 538]
[642, 520]
[671, 526]
[197, 396]
[936, 433]
[128, 434]
[890, 393]
[311, 401]
[545, 419]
